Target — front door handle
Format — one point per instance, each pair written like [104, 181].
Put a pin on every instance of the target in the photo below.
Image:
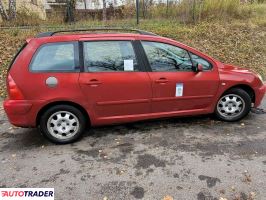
[93, 82]
[161, 80]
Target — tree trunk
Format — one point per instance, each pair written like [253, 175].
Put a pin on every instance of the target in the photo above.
[12, 9]
[85, 4]
[104, 10]
[3, 11]
[167, 8]
[70, 11]
[194, 11]
[143, 9]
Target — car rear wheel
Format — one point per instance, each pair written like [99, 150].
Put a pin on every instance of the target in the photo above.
[233, 105]
[62, 124]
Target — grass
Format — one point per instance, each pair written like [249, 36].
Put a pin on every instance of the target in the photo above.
[239, 41]
[195, 11]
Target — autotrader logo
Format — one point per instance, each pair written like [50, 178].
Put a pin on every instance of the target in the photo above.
[26, 193]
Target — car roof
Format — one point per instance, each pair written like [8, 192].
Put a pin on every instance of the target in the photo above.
[83, 34]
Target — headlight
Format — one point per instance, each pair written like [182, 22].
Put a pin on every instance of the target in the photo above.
[260, 77]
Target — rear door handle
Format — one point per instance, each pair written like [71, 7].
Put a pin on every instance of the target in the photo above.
[161, 80]
[93, 82]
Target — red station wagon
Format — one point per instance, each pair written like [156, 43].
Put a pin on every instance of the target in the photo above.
[63, 82]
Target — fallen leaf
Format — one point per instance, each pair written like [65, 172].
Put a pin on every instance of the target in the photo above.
[252, 195]
[222, 191]
[222, 198]
[247, 178]
[168, 198]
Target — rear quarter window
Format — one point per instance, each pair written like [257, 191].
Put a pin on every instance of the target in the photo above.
[56, 57]
[17, 55]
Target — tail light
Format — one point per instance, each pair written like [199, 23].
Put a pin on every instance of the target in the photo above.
[13, 91]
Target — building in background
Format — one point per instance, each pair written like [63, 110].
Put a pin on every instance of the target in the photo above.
[82, 4]
[84, 8]
[57, 8]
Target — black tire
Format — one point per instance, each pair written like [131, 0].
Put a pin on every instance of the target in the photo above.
[244, 96]
[73, 113]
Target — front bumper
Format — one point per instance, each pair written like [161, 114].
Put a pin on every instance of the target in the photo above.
[259, 92]
[22, 113]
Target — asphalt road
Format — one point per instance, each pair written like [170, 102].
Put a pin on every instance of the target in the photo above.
[182, 158]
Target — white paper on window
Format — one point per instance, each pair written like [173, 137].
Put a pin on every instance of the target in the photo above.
[128, 65]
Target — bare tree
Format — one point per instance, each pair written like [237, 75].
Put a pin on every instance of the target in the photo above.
[85, 4]
[194, 11]
[12, 9]
[70, 9]
[145, 5]
[104, 10]
[3, 13]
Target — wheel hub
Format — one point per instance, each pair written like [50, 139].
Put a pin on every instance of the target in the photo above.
[231, 105]
[63, 124]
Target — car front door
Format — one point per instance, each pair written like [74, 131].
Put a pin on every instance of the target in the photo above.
[176, 87]
[114, 82]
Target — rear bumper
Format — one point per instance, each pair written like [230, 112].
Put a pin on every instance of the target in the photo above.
[22, 113]
[259, 92]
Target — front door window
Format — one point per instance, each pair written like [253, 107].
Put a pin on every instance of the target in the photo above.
[167, 58]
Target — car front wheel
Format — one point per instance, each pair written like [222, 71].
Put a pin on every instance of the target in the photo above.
[234, 105]
[62, 124]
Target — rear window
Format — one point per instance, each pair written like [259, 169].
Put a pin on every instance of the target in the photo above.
[56, 57]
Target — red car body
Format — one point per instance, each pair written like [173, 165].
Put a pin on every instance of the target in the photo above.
[108, 98]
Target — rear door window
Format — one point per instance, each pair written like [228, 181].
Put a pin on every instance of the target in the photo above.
[56, 57]
[109, 56]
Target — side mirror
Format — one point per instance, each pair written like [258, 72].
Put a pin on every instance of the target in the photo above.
[198, 68]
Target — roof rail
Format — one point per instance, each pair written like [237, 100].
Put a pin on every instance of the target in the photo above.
[48, 34]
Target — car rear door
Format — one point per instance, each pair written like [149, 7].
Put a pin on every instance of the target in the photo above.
[176, 87]
[114, 80]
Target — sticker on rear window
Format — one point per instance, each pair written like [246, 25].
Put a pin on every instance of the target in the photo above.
[128, 65]
[179, 90]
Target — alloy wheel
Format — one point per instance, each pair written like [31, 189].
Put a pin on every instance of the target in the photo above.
[63, 125]
[231, 105]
